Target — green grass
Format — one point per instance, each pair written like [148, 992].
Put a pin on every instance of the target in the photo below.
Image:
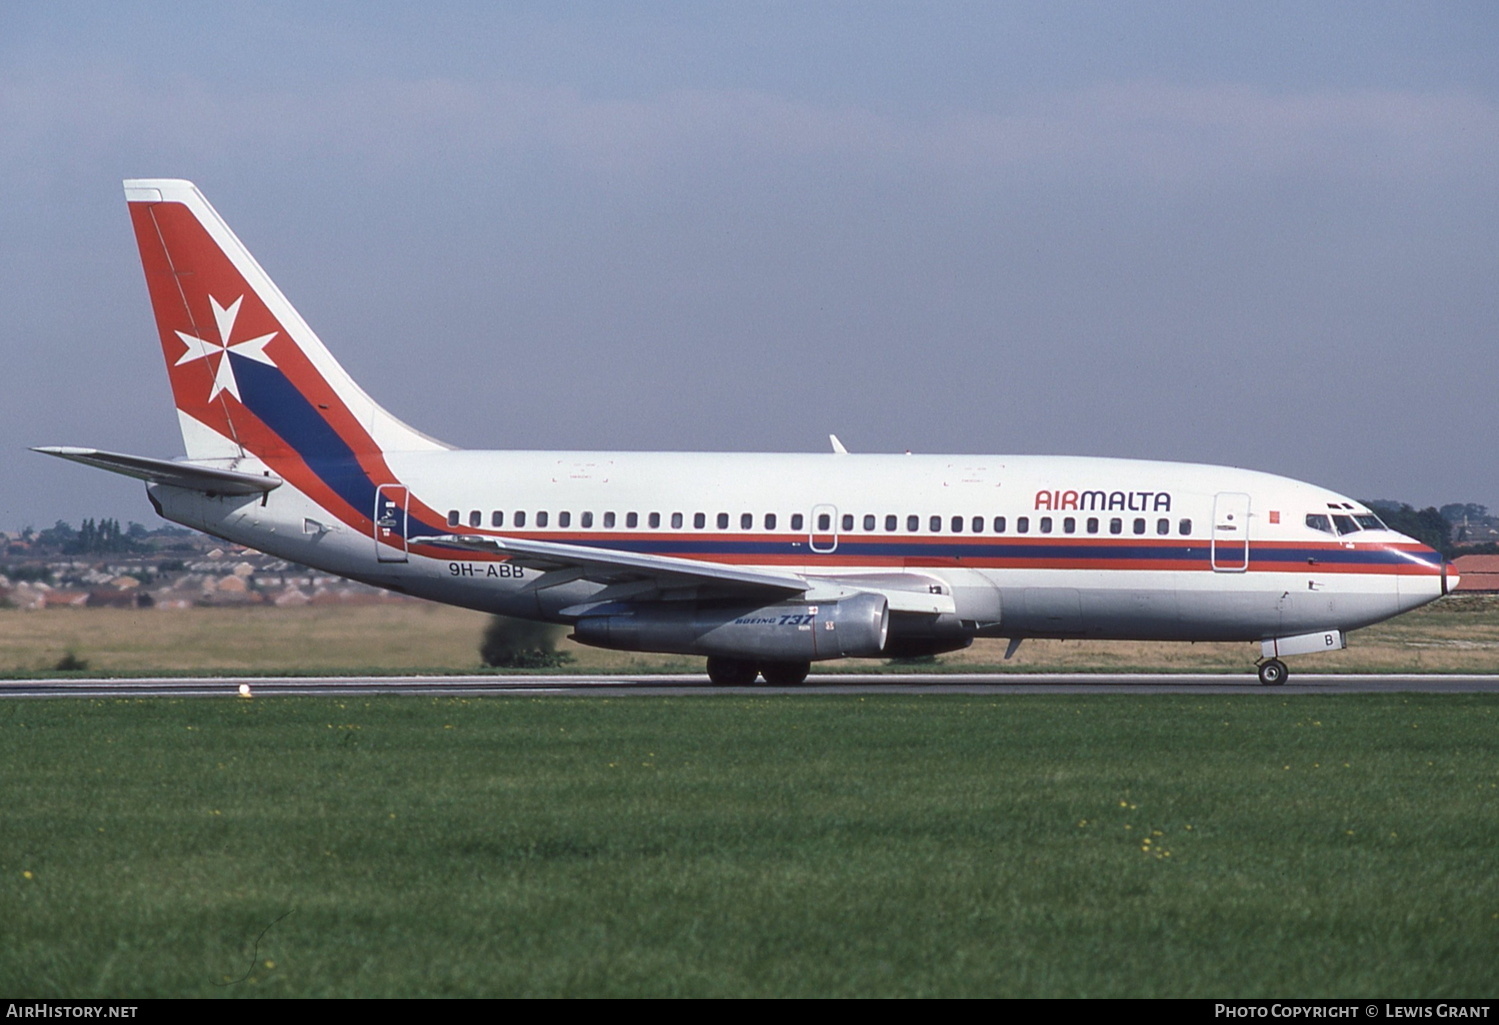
[1252, 845]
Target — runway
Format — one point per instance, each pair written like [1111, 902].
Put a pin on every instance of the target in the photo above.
[845, 684]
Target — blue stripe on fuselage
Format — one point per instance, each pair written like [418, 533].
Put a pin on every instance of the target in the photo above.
[993, 548]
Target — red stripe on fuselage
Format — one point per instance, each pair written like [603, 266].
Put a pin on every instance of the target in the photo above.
[1199, 561]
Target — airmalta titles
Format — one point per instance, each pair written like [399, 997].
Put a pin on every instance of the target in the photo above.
[1105, 501]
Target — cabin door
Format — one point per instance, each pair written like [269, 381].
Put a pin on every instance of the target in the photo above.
[390, 522]
[1230, 532]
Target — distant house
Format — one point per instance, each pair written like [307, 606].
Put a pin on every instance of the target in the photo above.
[1479, 572]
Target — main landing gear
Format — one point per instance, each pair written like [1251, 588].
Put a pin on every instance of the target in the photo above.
[739, 672]
[1273, 672]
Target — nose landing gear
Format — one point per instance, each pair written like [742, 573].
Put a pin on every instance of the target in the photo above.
[1273, 672]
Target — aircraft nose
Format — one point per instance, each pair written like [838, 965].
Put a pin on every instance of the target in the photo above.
[1450, 577]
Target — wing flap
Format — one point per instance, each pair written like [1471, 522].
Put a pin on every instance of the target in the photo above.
[610, 566]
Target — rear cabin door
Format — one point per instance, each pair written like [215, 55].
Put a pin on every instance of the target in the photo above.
[390, 522]
[1230, 532]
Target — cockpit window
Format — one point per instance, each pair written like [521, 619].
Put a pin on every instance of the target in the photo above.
[1369, 521]
[1345, 524]
[1317, 521]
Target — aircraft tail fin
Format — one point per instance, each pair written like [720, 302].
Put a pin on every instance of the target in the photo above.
[249, 377]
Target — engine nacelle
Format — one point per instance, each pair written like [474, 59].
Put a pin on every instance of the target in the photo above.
[913, 635]
[785, 632]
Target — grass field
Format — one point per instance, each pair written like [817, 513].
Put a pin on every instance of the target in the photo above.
[1255, 845]
[1452, 635]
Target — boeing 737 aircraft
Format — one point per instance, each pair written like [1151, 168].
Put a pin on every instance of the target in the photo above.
[763, 563]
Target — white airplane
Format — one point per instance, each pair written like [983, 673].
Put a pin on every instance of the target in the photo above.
[762, 563]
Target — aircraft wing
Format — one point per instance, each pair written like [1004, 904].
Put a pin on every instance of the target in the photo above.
[166, 471]
[610, 566]
[633, 575]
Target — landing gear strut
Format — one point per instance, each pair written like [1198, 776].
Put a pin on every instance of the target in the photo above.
[1273, 672]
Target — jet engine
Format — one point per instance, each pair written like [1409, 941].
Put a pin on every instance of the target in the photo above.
[784, 632]
[913, 635]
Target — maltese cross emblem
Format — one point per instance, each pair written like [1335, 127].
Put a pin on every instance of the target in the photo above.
[200, 348]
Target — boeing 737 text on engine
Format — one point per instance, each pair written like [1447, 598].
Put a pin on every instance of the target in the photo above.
[763, 563]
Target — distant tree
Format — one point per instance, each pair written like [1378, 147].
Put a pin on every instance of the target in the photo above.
[1425, 525]
[1457, 512]
[29, 573]
[99, 538]
[58, 536]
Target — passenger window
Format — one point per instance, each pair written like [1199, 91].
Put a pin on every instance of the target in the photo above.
[520, 519]
[1069, 525]
[654, 521]
[1139, 524]
[723, 521]
[608, 521]
[632, 520]
[564, 519]
[1184, 527]
[1046, 524]
[1318, 521]
[891, 523]
[676, 521]
[848, 521]
[476, 518]
[999, 524]
[978, 524]
[1163, 527]
[699, 521]
[585, 520]
[1345, 524]
[957, 524]
[746, 521]
[796, 521]
[868, 521]
[496, 519]
[936, 524]
[770, 521]
[1022, 525]
[1092, 524]
[453, 519]
[541, 519]
[1116, 526]
[824, 522]
[913, 524]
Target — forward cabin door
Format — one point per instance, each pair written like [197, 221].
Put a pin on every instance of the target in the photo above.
[822, 530]
[390, 522]
[1230, 532]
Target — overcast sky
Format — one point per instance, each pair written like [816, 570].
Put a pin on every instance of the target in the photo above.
[1257, 234]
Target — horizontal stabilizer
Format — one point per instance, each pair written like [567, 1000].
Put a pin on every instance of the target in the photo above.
[166, 471]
